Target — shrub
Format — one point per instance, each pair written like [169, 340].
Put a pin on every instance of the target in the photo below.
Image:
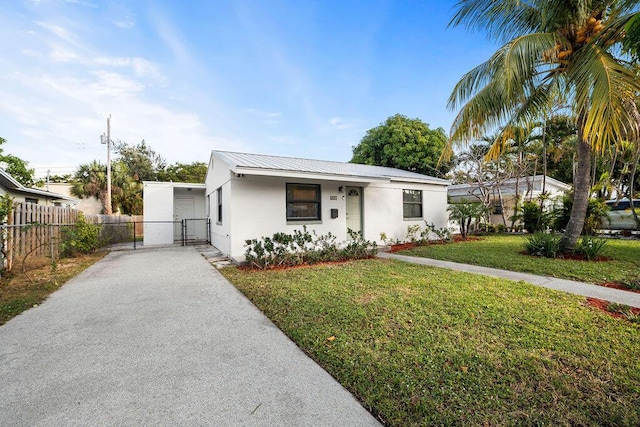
[300, 247]
[442, 234]
[81, 237]
[590, 247]
[533, 217]
[596, 211]
[501, 228]
[633, 284]
[543, 244]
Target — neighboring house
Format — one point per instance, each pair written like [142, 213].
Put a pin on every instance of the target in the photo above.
[87, 205]
[251, 196]
[21, 194]
[529, 188]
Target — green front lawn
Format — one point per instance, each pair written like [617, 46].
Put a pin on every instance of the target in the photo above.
[425, 346]
[505, 252]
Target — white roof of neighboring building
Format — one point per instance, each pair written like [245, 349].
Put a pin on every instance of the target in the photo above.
[284, 166]
[537, 179]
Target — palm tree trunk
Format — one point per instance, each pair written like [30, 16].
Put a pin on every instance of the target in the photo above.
[581, 190]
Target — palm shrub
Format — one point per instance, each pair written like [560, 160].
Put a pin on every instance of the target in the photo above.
[590, 247]
[465, 214]
[534, 217]
[543, 245]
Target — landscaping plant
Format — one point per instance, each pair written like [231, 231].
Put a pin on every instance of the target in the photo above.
[543, 244]
[590, 247]
[302, 247]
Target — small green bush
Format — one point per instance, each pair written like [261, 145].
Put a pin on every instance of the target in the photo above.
[81, 237]
[543, 245]
[590, 247]
[287, 250]
[632, 284]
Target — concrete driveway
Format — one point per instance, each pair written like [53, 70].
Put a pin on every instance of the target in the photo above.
[159, 337]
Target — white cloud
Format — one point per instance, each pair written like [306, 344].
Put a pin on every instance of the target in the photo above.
[341, 123]
[125, 23]
[62, 55]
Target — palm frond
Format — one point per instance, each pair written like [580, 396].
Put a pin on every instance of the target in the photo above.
[603, 86]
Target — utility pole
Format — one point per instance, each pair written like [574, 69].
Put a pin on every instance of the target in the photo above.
[107, 140]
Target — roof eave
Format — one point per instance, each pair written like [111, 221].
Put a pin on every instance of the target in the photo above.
[238, 170]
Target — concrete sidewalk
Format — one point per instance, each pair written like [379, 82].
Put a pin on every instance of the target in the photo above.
[159, 337]
[580, 288]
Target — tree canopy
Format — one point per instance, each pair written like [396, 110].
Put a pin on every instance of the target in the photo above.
[403, 143]
[553, 51]
[132, 165]
[17, 167]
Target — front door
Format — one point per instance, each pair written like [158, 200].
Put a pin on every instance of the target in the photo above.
[354, 208]
[183, 208]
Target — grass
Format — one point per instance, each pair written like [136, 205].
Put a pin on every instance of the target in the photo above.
[19, 292]
[505, 252]
[424, 346]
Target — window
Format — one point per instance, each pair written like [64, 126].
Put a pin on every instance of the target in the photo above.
[497, 208]
[411, 204]
[31, 200]
[219, 211]
[303, 202]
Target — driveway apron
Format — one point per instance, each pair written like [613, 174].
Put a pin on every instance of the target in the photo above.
[159, 337]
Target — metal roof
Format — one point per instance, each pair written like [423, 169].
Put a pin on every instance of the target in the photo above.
[323, 167]
[9, 182]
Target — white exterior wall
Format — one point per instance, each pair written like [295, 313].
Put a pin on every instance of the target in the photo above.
[158, 206]
[384, 213]
[219, 175]
[255, 207]
[259, 210]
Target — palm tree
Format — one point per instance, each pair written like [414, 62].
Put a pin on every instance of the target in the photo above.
[554, 50]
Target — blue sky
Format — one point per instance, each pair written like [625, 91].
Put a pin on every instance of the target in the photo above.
[286, 77]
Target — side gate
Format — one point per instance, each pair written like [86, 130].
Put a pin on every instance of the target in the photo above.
[195, 231]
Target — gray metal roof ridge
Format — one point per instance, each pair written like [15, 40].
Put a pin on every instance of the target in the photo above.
[331, 167]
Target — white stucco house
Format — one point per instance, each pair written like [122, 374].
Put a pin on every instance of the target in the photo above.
[252, 196]
[248, 196]
[529, 188]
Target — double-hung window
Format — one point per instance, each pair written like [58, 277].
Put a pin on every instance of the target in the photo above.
[219, 204]
[411, 204]
[303, 202]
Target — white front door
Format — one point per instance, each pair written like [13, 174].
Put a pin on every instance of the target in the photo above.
[183, 208]
[354, 208]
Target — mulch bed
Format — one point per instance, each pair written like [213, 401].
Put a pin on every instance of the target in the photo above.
[619, 286]
[603, 305]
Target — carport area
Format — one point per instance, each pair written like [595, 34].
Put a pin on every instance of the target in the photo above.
[159, 337]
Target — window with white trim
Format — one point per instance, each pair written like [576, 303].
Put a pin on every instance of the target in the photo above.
[411, 204]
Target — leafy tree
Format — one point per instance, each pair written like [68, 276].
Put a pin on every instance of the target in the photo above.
[553, 50]
[184, 172]
[17, 167]
[403, 143]
[141, 162]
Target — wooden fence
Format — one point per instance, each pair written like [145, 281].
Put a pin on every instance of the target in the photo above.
[34, 231]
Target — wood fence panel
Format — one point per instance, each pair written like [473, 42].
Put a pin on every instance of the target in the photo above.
[36, 230]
